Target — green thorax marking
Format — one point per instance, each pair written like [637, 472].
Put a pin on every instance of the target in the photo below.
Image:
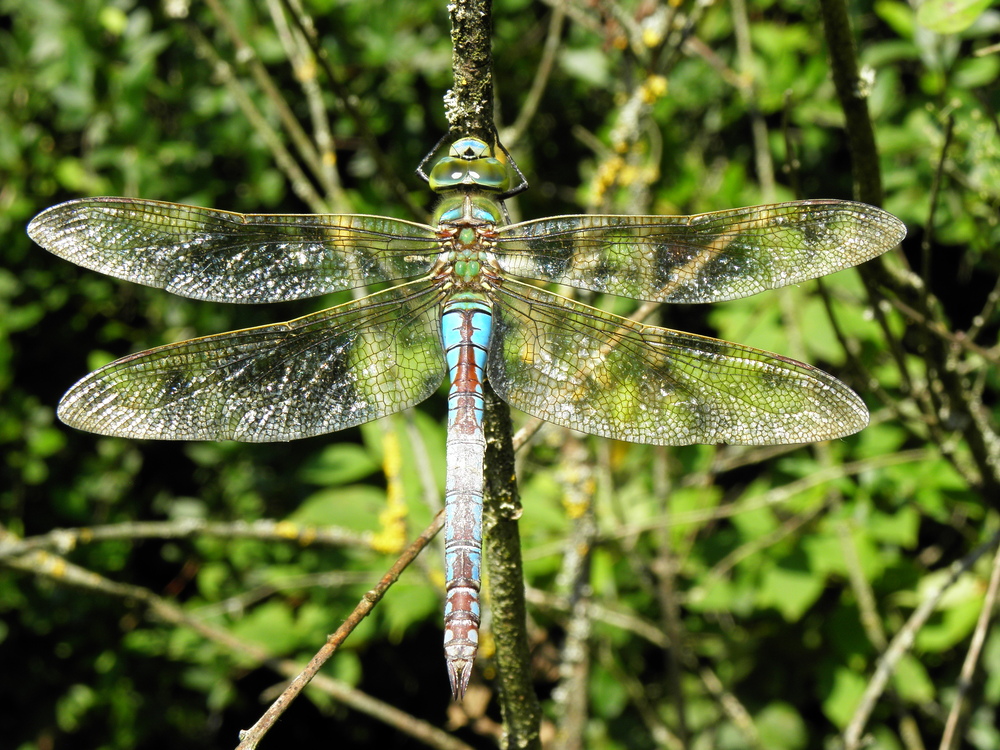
[467, 270]
[467, 254]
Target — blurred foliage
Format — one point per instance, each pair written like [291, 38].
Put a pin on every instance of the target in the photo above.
[774, 577]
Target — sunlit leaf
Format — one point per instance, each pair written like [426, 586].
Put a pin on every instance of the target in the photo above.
[950, 16]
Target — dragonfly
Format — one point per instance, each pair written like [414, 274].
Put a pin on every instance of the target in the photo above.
[466, 304]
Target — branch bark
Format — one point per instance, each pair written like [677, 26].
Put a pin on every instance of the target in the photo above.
[521, 710]
[469, 104]
[852, 92]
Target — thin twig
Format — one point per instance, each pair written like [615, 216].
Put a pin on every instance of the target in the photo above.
[248, 57]
[853, 94]
[986, 314]
[721, 569]
[783, 493]
[64, 540]
[758, 127]
[59, 570]
[250, 737]
[666, 569]
[328, 581]
[598, 612]
[469, 110]
[298, 180]
[512, 135]
[522, 713]
[928, 239]
[305, 66]
[569, 697]
[348, 103]
[951, 736]
[641, 701]
[902, 643]
[958, 339]
[948, 383]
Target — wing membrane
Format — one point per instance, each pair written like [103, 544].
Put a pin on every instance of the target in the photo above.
[323, 372]
[228, 257]
[703, 258]
[595, 372]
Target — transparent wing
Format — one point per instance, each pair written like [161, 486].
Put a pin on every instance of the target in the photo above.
[595, 372]
[703, 258]
[323, 372]
[229, 257]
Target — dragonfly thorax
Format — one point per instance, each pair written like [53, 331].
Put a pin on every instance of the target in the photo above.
[467, 270]
[466, 262]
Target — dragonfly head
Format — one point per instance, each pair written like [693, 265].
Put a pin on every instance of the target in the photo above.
[469, 163]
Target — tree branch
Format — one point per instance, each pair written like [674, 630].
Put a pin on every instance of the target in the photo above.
[469, 105]
[521, 710]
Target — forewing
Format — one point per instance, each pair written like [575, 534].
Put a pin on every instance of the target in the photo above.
[592, 371]
[323, 372]
[228, 257]
[703, 258]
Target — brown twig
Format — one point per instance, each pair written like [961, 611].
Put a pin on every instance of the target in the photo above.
[346, 102]
[252, 736]
[902, 643]
[959, 709]
[469, 110]
[64, 540]
[58, 569]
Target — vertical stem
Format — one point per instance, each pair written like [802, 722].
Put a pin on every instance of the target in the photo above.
[853, 95]
[521, 711]
[469, 105]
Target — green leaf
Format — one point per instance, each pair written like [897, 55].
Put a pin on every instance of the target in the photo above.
[355, 507]
[898, 15]
[899, 527]
[269, 625]
[340, 463]
[587, 65]
[949, 627]
[212, 579]
[74, 705]
[950, 16]
[790, 590]
[843, 698]
[912, 681]
[608, 693]
[406, 605]
[781, 727]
